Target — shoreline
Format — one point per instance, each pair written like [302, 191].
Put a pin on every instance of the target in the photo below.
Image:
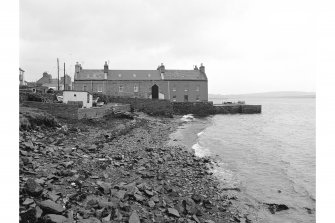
[127, 163]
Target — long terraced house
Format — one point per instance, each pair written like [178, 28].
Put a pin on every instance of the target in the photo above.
[174, 85]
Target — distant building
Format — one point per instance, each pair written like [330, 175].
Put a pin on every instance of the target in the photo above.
[21, 77]
[47, 81]
[174, 85]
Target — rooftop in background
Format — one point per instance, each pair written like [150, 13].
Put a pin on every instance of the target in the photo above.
[159, 74]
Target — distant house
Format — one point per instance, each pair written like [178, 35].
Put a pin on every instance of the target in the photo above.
[78, 97]
[21, 77]
[174, 85]
[47, 81]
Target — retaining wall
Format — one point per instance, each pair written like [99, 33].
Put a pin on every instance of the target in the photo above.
[99, 112]
[58, 110]
[149, 106]
[237, 109]
[196, 108]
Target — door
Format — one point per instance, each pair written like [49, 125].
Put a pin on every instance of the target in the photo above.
[154, 92]
[185, 98]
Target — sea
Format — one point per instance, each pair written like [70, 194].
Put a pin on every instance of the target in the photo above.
[269, 157]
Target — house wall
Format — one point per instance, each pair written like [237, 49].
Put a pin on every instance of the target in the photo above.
[166, 88]
[85, 97]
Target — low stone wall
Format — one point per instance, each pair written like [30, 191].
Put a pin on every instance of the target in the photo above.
[58, 110]
[237, 109]
[99, 112]
[149, 106]
[196, 108]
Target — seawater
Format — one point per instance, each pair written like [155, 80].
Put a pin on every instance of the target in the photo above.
[269, 156]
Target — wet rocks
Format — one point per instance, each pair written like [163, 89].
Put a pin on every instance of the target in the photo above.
[173, 212]
[134, 218]
[32, 188]
[49, 206]
[53, 218]
[273, 208]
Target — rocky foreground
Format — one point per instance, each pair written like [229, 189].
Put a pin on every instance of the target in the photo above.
[117, 170]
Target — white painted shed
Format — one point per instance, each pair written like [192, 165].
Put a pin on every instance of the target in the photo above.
[78, 96]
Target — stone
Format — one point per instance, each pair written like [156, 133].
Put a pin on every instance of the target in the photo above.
[209, 221]
[28, 201]
[273, 208]
[134, 218]
[32, 188]
[54, 218]
[104, 187]
[90, 220]
[173, 212]
[197, 198]
[120, 194]
[149, 193]
[138, 197]
[48, 206]
[151, 204]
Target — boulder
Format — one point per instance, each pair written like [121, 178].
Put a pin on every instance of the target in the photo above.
[48, 206]
[54, 218]
[32, 188]
[134, 218]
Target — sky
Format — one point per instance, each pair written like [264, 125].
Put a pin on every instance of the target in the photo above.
[246, 46]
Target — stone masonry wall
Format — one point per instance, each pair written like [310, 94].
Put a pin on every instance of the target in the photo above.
[58, 110]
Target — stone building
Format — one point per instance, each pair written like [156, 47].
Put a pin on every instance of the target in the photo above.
[47, 81]
[174, 85]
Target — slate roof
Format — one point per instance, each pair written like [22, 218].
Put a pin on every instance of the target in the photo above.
[184, 75]
[98, 74]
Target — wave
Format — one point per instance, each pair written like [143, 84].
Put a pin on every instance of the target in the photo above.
[187, 118]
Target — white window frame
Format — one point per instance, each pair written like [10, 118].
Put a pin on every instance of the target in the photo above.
[135, 88]
[121, 88]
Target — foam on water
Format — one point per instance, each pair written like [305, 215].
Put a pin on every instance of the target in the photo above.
[270, 156]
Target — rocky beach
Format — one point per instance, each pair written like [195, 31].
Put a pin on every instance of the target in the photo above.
[116, 169]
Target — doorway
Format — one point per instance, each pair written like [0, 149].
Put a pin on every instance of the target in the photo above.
[154, 92]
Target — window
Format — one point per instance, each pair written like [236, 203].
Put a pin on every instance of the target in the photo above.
[99, 88]
[186, 89]
[174, 98]
[75, 95]
[185, 98]
[120, 75]
[198, 88]
[84, 88]
[120, 88]
[197, 98]
[134, 75]
[174, 88]
[88, 98]
[149, 75]
[135, 88]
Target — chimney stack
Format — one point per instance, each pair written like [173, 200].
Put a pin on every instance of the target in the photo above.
[202, 68]
[106, 68]
[162, 68]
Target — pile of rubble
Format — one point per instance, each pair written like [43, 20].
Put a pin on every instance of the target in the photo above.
[69, 175]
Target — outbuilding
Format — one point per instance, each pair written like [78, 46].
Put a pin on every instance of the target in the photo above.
[78, 97]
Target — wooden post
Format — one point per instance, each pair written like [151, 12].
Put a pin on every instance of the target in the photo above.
[64, 77]
[58, 71]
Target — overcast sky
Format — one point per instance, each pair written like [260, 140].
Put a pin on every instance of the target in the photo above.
[246, 46]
